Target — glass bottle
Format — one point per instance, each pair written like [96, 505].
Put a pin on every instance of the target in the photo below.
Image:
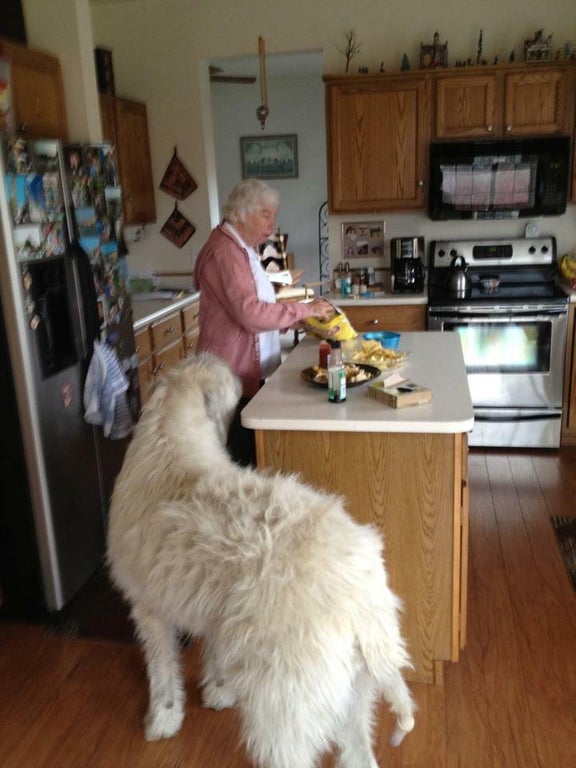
[336, 374]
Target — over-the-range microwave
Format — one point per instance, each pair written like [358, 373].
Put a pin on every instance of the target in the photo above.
[499, 179]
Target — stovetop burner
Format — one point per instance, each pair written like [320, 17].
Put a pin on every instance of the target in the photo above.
[498, 271]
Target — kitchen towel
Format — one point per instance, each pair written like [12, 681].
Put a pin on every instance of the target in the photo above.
[105, 388]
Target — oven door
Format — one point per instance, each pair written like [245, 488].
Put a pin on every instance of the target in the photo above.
[513, 359]
[515, 365]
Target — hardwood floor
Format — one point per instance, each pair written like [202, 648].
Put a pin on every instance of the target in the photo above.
[510, 702]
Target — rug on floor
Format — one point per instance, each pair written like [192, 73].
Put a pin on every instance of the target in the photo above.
[97, 611]
[565, 529]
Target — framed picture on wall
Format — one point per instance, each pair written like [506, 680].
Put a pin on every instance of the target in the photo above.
[362, 239]
[269, 157]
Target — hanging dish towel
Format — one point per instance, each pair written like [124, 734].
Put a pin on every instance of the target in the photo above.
[105, 394]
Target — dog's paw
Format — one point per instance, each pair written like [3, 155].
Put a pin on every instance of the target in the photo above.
[163, 723]
[217, 696]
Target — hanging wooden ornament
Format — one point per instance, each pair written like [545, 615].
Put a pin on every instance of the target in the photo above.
[177, 228]
[177, 181]
[262, 111]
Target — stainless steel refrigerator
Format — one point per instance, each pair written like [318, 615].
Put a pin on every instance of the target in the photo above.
[62, 287]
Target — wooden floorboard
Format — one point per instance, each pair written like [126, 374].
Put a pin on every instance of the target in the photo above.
[510, 701]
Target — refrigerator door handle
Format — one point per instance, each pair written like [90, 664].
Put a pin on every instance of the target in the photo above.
[88, 298]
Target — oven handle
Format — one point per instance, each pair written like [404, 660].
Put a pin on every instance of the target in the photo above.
[523, 417]
[509, 317]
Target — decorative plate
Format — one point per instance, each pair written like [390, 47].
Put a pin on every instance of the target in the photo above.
[319, 376]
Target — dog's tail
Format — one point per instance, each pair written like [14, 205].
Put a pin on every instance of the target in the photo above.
[384, 649]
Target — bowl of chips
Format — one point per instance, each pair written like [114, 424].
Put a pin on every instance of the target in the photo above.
[387, 339]
[372, 352]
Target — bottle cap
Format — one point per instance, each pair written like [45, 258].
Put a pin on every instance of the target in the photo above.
[334, 343]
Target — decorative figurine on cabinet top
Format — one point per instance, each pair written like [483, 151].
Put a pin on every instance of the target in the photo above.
[538, 49]
[434, 56]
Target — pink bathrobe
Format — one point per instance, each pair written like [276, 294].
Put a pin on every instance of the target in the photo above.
[231, 314]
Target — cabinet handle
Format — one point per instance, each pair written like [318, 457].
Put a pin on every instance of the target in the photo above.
[420, 183]
[157, 369]
[489, 128]
[508, 128]
[375, 321]
[169, 331]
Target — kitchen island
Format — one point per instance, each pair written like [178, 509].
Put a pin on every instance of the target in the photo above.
[404, 471]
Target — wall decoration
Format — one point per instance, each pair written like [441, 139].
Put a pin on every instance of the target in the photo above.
[362, 239]
[176, 180]
[434, 56]
[177, 228]
[269, 157]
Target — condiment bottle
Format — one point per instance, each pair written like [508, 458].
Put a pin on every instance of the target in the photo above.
[323, 354]
[336, 374]
[371, 278]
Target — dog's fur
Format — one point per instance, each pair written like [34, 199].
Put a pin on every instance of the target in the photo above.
[289, 594]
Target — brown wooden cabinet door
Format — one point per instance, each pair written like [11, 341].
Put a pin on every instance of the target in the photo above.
[466, 105]
[37, 92]
[378, 131]
[539, 100]
[134, 163]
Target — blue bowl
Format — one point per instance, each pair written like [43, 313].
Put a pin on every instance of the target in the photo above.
[386, 338]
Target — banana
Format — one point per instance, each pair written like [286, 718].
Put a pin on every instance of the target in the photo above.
[568, 267]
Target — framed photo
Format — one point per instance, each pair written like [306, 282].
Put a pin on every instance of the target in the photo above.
[362, 239]
[269, 157]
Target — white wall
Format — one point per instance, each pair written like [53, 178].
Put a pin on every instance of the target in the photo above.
[296, 107]
[160, 49]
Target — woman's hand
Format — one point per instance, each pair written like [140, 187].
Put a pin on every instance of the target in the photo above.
[322, 308]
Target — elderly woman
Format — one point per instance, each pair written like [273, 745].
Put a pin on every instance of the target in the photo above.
[240, 320]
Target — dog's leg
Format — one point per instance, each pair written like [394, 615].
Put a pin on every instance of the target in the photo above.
[216, 693]
[355, 737]
[166, 706]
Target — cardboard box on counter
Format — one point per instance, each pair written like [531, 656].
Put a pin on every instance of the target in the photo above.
[400, 395]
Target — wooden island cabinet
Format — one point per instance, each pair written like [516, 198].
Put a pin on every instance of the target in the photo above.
[569, 405]
[403, 471]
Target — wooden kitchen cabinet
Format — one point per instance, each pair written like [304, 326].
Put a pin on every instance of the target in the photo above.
[39, 108]
[163, 343]
[125, 123]
[526, 100]
[405, 317]
[569, 405]
[191, 327]
[378, 129]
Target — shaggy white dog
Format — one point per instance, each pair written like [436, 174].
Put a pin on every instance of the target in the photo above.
[289, 594]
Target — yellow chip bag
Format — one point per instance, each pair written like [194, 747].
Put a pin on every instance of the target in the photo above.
[337, 327]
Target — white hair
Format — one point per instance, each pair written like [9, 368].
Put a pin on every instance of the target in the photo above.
[248, 196]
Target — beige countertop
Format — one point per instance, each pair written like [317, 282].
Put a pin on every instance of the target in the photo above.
[150, 307]
[286, 402]
[379, 298]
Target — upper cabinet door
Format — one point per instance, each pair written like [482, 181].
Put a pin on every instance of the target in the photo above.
[539, 100]
[37, 92]
[378, 131]
[134, 162]
[466, 105]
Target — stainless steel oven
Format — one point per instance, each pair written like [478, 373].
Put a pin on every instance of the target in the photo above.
[511, 320]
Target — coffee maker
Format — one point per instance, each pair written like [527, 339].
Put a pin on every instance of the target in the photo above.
[406, 262]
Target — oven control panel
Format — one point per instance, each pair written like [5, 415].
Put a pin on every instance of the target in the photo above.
[516, 252]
